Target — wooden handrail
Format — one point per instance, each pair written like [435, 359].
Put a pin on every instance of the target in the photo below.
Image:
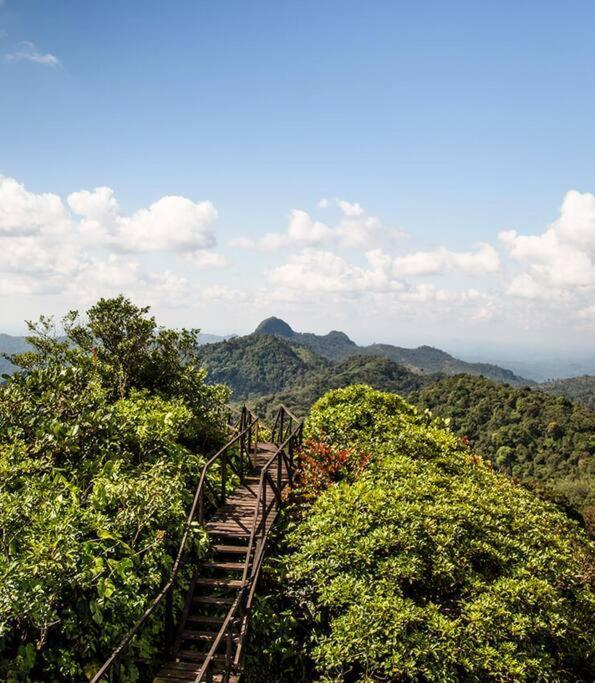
[287, 435]
[248, 421]
[255, 551]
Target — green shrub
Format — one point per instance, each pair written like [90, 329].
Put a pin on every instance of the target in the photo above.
[98, 463]
[430, 566]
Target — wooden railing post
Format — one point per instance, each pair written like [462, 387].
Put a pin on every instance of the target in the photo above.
[281, 436]
[228, 654]
[264, 504]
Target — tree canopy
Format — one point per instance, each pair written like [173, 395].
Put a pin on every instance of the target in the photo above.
[528, 434]
[102, 436]
[428, 565]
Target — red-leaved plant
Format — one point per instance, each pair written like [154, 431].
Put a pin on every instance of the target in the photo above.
[321, 465]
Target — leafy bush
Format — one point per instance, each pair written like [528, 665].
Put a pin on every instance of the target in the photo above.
[429, 565]
[99, 456]
[320, 465]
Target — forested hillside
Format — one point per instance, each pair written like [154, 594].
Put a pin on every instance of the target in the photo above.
[525, 433]
[258, 364]
[375, 371]
[425, 359]
[101, 443]
[579, 389]
[531, 435]
[409, 559]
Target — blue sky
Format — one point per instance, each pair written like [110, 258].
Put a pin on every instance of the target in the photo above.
[441, 124]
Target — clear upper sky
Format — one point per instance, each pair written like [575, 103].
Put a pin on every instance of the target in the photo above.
[442, 126]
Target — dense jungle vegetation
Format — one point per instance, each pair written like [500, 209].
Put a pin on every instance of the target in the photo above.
[404, 556]
[102, 437]
[580, 389]
[376, 371]
[527, 434]
[541, 438]
[407, 558]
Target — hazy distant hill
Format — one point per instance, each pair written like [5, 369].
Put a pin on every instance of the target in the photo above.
[424, 359]
[579, 389]
[205, 338]
[10, 344]
[17, 344]
[545, 369]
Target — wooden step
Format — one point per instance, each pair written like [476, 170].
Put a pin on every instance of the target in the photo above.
[212, 600]
[267, 446]
[189, 676]
[231, 549]
[178, 671]
[229, 533]
[194, 656]
[202, 619]
[198, 635]
[234, 566]
[222, 582]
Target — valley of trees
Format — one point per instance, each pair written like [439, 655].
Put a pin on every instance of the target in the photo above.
[543, 439]
[433, 538]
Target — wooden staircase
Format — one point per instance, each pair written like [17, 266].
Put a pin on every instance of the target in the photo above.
[207, 644]
[217, 581]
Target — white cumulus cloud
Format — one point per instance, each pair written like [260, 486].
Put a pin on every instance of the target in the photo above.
[51, 246]
[561, 261]
[354, 229]
[484, 261]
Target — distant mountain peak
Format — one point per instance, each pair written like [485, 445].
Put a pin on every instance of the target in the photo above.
[337, 335]
[274, 326]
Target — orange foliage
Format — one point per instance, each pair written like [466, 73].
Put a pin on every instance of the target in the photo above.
[321, 465]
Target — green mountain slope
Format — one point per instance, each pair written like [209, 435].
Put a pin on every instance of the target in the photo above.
[579, 389]
[380, 373]
[424, 359]
[258, 364]
[525, 433]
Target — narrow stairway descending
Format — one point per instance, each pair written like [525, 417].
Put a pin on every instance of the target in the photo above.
[205, 640]
[217, 582]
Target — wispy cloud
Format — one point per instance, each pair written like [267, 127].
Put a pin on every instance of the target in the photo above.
[28, 52]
